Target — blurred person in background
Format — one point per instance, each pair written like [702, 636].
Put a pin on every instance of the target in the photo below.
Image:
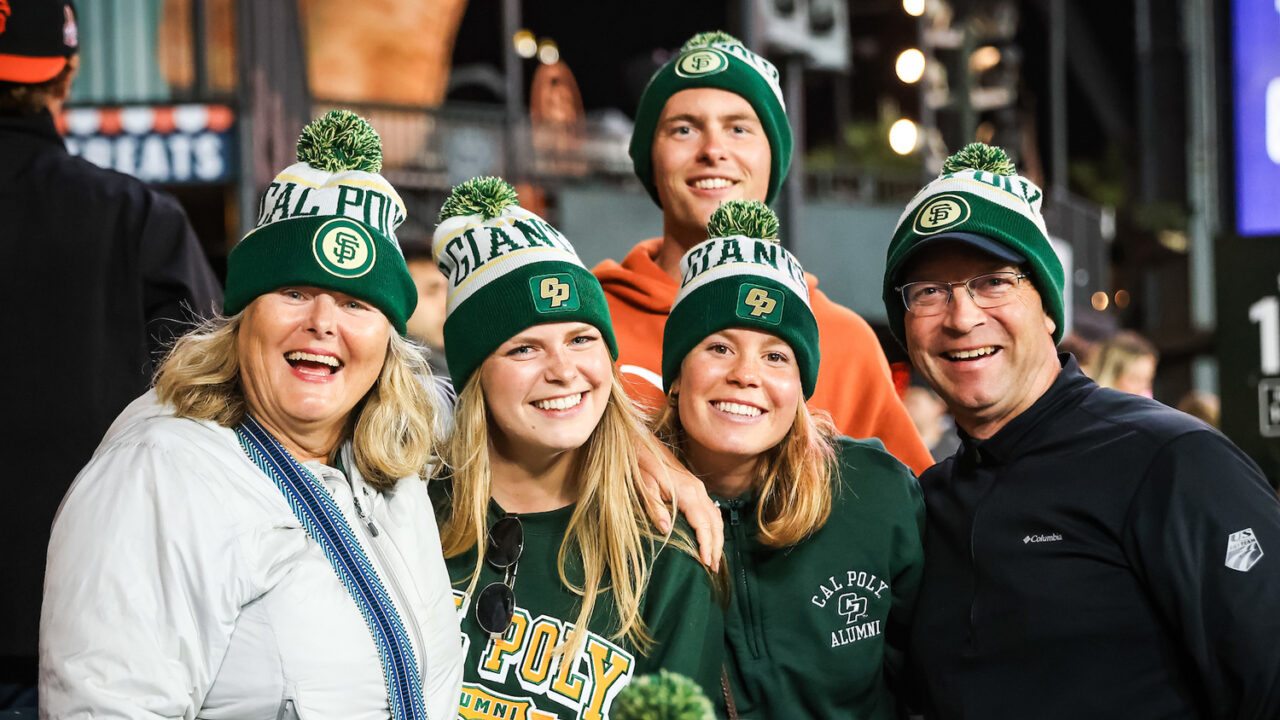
[1126, 362]
[253, 539]
[1077, 345]
[554, 564]
[426, 325]
[929, 414]
[823, 533]
[711, 127]
[1203, 405]
[118, 272]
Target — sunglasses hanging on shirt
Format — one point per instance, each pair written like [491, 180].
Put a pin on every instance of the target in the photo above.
[496, 603]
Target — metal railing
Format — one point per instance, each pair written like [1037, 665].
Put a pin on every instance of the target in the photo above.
[432, 149]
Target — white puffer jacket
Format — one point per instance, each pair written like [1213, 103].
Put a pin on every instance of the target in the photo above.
[180, 584]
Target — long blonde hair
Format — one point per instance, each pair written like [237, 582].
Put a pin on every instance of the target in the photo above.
[608, 529]
[390, 428]
[793, 479]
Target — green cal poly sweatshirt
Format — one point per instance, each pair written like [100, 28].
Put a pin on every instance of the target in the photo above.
[817, 630]
[516, 676]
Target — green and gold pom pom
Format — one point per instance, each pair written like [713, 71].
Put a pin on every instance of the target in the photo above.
[483, 196]
[662, 696]
[707, 39]
[340, 140]
[749, 218]
[980, 156]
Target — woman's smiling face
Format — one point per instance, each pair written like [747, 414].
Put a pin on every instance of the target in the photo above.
[308, 356]
[737, 394]
[547, 387]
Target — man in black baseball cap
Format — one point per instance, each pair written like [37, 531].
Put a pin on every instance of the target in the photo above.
[38, 40]
[108, 269]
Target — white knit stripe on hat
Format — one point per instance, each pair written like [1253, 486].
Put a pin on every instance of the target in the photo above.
[968, 182]
[789, 273]
[498, 268]
[313, 192]
[493, 266]
[766, 69]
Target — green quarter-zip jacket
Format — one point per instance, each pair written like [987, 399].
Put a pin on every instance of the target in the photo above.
[818, 629]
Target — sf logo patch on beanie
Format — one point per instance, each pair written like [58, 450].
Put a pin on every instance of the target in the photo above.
[941, 213]
[760, 303]
[554, 293]
[701, 62]
[344, 248]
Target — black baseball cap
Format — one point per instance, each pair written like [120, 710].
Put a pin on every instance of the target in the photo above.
[36, 38]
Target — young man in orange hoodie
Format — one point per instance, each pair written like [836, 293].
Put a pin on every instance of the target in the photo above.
[711, 126]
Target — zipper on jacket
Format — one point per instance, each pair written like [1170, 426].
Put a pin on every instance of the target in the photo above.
[364, 517]
[738, 530]
[973, 559]
[398, 596]
[405, 608]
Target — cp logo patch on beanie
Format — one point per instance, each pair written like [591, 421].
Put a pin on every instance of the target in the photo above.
[941, 213]
[554, 293]
[760, 303]
[701, 62]
[344, 248]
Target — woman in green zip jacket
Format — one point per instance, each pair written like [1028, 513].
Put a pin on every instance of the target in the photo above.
[565, 590]
[823, 533]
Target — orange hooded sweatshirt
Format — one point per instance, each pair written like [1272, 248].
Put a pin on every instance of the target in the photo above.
[854, 383]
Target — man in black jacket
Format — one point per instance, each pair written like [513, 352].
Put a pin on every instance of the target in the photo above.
[102, 271]
[1089, 554]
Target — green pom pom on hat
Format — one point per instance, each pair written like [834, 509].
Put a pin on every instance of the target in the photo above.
[662, 696]
[719, 61]
[980, 156]
[328, 221]
[979, 200]
[749, 218]
[741, 277]
[483, 196]
[707, 39]
[507, 270]
[341, 140]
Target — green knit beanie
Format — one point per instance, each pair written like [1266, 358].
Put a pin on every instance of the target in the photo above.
[328, 221]
[741, 278]
[978, 199]
[715, 60]
[508, 270]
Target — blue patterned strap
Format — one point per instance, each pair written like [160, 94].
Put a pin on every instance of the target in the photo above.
[324, 522]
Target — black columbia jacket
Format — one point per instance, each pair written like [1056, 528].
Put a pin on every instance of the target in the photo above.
[1101, 556]
[99, 271]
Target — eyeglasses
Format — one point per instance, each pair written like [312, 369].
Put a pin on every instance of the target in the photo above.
[987, 291]
[496, 603]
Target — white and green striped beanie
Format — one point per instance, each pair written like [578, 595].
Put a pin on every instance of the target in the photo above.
[979, 193]
[328, 221]
[741, 278]
[508, 270]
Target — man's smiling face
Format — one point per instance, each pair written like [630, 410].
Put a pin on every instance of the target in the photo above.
[709, 147]
[988, 365]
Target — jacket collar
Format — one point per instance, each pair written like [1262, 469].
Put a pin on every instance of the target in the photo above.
[39, 126]
[1068, 389]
